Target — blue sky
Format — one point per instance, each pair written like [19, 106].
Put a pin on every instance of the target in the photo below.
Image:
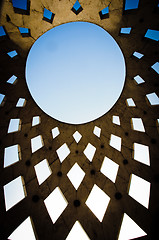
[75, 72]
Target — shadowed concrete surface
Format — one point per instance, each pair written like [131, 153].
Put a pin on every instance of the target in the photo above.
[140, 20]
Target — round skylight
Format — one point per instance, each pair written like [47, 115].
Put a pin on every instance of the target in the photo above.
[75, 72]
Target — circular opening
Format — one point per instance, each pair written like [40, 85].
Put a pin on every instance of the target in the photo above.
[75, 72]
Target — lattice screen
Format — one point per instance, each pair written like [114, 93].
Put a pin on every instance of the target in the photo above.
[125, 139]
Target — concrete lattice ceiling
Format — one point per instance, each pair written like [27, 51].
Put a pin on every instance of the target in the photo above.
[141, 19]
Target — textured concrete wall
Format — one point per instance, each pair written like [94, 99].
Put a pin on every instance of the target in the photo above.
[141, 19]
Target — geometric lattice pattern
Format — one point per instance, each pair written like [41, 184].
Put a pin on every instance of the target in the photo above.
[132, 27]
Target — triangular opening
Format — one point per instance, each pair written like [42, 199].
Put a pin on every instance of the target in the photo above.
[77, 232]
[129, 229]
[2, 31]
[24, 229]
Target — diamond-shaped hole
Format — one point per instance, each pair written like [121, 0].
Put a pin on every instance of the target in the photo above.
[138, 55]
[140, 190]
[98, 202]
[152, 34]
[48, 15]
[21, 102]
[20, 4]
[129, 4]
[109, 169]
[2, 99]
[36, 143]
[115, 142]
[55, 204]
[129, 229]
[89, 151]
[14, 192]
[11, 155]
[12, 54]
[105, 10]
[104, 13]
[116, 120]
[138, 79]
[2, 31]
[25, 32]
[76, 175]
[35, 121]
[12, 80]
[55, 132]
[14, 125]
[77, 136]
[156, 67]
[141, 153]
[153, 98]
[77, 232]
[77, 5]
[138, 125]
[77, 8]
[97, 131]
[130, 102]
[63, 152]
[24, 229]
[125, 30]
[42, 170]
